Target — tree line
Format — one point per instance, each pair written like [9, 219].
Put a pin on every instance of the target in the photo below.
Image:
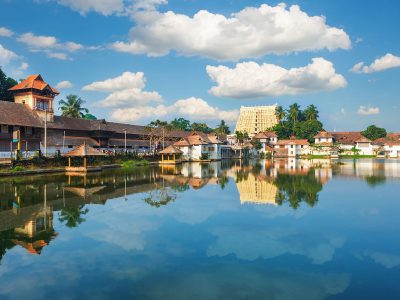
[186, 125]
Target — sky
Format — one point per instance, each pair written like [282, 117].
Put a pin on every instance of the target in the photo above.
[135, 61]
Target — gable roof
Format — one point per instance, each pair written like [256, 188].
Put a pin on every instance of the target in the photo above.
[363, 140]
[182, 143]
[265, 135]
[35, 82]
[84, 150]
[171, 150]
[323, 134]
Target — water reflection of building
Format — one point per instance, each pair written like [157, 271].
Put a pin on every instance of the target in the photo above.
[257, 189]
[36, 232]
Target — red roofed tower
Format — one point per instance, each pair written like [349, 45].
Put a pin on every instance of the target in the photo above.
[37, 95]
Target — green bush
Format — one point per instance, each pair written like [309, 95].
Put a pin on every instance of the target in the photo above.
[17, 169]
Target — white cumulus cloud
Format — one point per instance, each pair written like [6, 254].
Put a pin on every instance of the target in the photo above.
[6, 55]
[50, 45]
[192, 108]
[126, 90]
[104, 7]
[130, 96]
[126, 80]
[249, 33]
[5, 32]
[37, 41]
[251, 80]
[65, 84]
[388, 61]
[366, 111]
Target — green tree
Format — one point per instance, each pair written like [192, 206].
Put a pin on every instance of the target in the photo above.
[311, 113]
[5, 84]
[242, 136]
[256, 144]
[374, 132]
[180, 124]
[201, 127]
[280, 113]
[157, 123]
[307, 129]
[283, 130]
[294, 113]
[222, 128]
[73, 107]
[89, 117]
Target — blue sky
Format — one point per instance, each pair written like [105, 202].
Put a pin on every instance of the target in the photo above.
[134, 61]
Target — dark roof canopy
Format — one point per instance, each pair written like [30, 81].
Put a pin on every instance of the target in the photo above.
[18, 114]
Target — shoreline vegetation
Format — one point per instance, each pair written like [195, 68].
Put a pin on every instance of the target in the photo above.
[18, 170]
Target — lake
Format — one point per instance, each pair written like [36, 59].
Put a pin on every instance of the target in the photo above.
[287, 229]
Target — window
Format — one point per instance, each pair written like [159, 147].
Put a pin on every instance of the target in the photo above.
[204, 148]
[42, 104]
[4, 129]
[211, 148]
[28, 130]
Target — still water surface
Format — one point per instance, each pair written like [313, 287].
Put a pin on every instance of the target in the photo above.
[226, 230]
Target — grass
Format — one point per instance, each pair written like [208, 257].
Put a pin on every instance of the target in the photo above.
[134, 163]
[357, 156]
[317, 156]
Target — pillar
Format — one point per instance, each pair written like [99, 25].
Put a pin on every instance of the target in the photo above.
[162, 157]
[69, 161]
[84, 162]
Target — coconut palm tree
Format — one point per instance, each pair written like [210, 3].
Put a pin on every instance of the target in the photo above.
[222, 128]
[311, 112]
[294, 112]
[280, 113]
[72, 107]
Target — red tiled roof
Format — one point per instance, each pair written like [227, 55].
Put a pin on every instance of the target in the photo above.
[349, 137]
[293, 142]
[33, 82]
[392, 143]
[182, 143]
[265, 135]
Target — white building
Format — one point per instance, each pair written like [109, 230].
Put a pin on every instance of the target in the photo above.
[364, 146]
[200, 146]
[291, 148]
[392, 149]
[267, 139]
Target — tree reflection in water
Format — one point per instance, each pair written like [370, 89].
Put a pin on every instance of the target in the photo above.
[294, 188]
[72, 216]
[160, 197]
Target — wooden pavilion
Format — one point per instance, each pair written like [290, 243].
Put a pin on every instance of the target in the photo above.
[171, 155]
[84, 151]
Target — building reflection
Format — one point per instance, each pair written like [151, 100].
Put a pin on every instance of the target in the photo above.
[30, 205]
